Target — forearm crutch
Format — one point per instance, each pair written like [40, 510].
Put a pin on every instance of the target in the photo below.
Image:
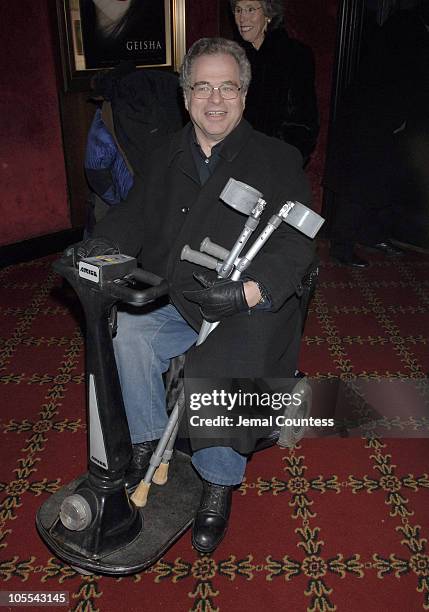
[160, 459]
[292, 212]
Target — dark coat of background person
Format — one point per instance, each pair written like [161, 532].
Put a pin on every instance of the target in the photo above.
[171, 209]
[281, 100]
[378, 158]
[147, 106]
[139, 109]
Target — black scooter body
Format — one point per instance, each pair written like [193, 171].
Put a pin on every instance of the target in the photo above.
[109, 534]
[169, 512]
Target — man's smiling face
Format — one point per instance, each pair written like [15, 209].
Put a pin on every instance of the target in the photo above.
[214, 118]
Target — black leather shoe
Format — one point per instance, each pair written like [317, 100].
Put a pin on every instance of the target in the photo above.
[388, 248]
[211, 521]
[352, 261]
[139, 463]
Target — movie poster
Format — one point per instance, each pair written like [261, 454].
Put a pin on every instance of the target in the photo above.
[106, 32]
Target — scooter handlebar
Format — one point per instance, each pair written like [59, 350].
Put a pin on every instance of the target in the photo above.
[116, 286]
[143, 276]
[139, 297]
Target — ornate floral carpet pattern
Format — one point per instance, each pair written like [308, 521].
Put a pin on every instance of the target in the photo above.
[333, 524]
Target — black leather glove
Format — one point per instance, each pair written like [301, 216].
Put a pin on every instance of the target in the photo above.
[91, 248]
[219, 299]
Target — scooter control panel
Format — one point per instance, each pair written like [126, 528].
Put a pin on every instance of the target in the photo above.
[105, 268]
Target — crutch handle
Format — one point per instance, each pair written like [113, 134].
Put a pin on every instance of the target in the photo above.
[201, 259]
[211, 248]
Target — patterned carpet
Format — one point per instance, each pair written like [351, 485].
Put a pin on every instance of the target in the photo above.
[334, 524]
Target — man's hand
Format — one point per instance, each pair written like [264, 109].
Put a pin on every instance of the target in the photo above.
[252, 293]
[219, 299]
[91, 248]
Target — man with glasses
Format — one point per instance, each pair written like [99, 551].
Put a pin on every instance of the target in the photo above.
[179, 204]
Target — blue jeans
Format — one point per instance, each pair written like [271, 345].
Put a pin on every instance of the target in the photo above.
[144, 345]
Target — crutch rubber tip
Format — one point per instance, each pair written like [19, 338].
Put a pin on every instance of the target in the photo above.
[139, 497]
[161, 475]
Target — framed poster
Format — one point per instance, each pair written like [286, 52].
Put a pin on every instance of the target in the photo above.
[98, 34]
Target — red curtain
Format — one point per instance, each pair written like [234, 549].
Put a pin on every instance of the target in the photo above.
[33, 196]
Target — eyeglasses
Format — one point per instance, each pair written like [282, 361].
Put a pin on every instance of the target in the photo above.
[203, 91]
[251, 10]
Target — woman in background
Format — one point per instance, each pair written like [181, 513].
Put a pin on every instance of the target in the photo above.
[281, 100]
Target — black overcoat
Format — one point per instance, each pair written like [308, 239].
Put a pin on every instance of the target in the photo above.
[172, 209]
[281, 100]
